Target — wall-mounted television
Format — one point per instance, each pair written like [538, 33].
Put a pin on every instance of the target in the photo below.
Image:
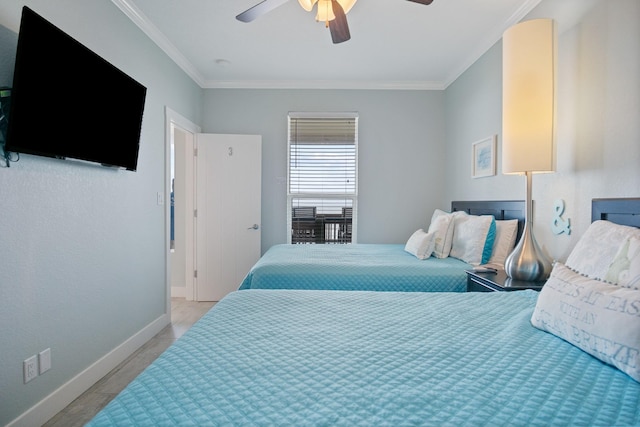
[69, 103]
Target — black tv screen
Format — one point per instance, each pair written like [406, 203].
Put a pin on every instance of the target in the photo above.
[68, 102]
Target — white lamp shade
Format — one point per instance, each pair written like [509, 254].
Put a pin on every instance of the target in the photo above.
[528, 97]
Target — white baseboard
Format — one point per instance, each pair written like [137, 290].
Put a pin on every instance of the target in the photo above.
[178, 292]
[68, 392]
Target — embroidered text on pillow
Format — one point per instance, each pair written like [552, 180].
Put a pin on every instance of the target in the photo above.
[600, 318]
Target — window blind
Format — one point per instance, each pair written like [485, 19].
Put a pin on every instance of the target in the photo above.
[323, 164]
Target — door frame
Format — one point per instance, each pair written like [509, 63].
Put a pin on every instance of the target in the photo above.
[184, 124]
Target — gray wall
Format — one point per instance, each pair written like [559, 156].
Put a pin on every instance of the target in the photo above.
[598, 131]
[401, 152]
[82, 247]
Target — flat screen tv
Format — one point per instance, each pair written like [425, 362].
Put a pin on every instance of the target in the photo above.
[68, 102]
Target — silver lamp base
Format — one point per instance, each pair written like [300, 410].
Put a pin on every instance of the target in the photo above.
[528, 261]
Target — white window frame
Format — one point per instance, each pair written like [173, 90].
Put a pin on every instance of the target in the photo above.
[290, 196]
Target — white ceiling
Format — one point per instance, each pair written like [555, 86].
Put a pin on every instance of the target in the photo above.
[395, 44]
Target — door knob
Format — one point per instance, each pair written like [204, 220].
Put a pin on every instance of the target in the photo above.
[254, 227]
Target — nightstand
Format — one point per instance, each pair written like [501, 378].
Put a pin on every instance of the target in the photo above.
[497, 282]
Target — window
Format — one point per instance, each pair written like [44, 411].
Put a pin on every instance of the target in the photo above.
[322, 184]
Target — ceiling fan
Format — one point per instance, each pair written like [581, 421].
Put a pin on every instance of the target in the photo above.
[332, 12]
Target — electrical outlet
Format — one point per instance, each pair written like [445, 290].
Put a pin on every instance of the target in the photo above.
[30, 368]
[44, 360]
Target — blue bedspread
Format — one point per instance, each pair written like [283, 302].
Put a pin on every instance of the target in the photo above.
[373, 267]
[341, 358]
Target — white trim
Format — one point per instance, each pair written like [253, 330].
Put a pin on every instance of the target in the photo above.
[172, 117]
[353, 196]
[181, 121]
[490, 40]
[178, 291]
[44, 410]
[323, 115]
[325, 84]
[138, 18]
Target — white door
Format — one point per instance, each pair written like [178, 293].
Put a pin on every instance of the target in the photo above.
[228, 210]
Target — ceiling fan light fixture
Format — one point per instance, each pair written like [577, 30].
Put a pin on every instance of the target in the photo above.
[325, 11]
[307, 4]
[347, 4]
[332, 12]
[325, 8]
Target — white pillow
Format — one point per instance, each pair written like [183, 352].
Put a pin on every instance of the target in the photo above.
[442, 226]
[470, 235]
[624, 270]
[421, 244]
[595, 251]
[599, 318]
[506, 232]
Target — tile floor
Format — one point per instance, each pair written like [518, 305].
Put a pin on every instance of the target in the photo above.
[80, 411]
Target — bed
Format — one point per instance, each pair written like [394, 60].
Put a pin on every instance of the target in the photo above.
[378, 267]
[344, 358]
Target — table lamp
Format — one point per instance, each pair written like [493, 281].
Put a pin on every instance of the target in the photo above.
[528, 127]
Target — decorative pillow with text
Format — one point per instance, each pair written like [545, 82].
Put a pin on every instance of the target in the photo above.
[599, 318]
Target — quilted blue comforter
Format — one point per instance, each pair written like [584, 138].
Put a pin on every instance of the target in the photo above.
[329, 358]
[373, 267]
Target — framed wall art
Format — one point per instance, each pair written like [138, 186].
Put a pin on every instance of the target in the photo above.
[483, 157]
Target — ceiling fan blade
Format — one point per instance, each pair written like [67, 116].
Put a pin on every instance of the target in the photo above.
[425, 2]
[338, 26]
[260, 9]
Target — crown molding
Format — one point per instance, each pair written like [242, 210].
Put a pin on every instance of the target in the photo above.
[491, 39]
[139, 18]
[324, 84]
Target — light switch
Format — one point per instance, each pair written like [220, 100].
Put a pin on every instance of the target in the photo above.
[44, 357]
